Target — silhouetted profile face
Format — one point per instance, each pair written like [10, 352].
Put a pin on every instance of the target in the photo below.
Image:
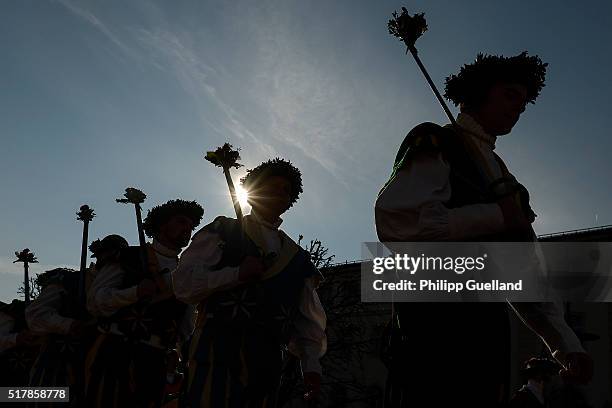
[501, 108]
[271, 197]
[176, 232]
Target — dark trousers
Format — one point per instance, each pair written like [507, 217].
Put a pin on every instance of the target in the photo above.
[233, 367]
[124, 374]
[449, 353]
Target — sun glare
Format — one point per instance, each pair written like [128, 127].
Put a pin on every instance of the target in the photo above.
[242, 196]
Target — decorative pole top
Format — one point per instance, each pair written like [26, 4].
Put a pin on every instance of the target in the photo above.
[225, 157]
[132, 196]
[85, 214]
[25, 256]
[407, 28]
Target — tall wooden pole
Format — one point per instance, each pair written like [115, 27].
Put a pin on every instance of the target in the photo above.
[85, 214]
[26, 282]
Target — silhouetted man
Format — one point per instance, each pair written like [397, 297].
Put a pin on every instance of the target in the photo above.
[57, 315]
[140, 319]
[256, 293]
[437, 192]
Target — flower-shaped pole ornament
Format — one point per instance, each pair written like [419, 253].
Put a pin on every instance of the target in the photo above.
[85, 214]
[27, 258]
[226, 157]
[408, 28]
[136, 197]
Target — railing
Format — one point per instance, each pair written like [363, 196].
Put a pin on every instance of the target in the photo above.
[577, 231]
[347, 262]
[554, 234]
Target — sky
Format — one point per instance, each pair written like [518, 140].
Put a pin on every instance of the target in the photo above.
[97, 96]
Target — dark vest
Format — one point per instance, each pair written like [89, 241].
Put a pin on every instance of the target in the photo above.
[268, 306]
[143, 319]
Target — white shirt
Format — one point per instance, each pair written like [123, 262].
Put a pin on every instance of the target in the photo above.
[105, 296]
[194, 281]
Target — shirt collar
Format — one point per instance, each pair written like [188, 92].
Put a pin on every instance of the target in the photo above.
[271, 225]
[164, 250]
[474, 129]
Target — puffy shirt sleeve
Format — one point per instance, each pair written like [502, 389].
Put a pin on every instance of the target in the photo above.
[411, 207]
[195, 278]
[105, 296]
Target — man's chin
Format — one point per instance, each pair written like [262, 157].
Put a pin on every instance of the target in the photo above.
[183, 243]
[505, 131]
[270, 210]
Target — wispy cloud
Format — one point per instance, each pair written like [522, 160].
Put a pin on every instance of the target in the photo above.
[309, 104]
[199, 79]
[88, 16]
[308, 110]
